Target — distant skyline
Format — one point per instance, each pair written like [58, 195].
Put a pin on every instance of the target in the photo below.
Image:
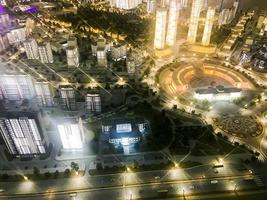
[244, 4]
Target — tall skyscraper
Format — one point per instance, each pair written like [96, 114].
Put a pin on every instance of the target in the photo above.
[16, 87]
[172, 23]
[71, 133]
[45, 53]
[160, 29]
[208, 26]
[67, 97]
[31, 49]
[22, 134]
[194, 19]
[93, 103]
[44, 94]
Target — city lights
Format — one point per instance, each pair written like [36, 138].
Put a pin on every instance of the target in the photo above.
[132, 99]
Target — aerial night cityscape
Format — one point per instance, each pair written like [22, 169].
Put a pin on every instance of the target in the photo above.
[133, 99]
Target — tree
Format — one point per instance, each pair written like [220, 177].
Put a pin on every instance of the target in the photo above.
[36, 171]
[74, 166]
[56, 174]
[67, 172]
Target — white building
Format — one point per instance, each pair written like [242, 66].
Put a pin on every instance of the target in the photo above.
[118, 51]
[160, 29]
[45, 53]
[44, 94]
[151, 6]
[72, 56]
[16, 35]
[67, 97]
[172, 23]
[31, 49]
[4, 20]
[130, 66]
[3, 42]
[218, 93]
[224, 17]
[184, 3]
[194, 20]
[208, 26]
[125, 4]
[101, 52]
[93, 103]
[22, 134]
[71, 133]
[72, 52]
[16, 87]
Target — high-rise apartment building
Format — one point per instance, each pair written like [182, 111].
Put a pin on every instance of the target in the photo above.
[31, 49]
[160, 29]
[208, 26]
[16, 35]
[194, 20]
[44, 94]
[22, 134]
[16, 87]
[172, 23]
[72, 52]
[67, 97]
[45, 53]
[93, 103]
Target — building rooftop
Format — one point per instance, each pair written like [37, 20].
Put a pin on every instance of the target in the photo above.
[218, 89]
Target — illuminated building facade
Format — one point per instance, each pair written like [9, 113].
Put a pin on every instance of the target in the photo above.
[151, 6]
[71, 133]
[45, 53]
[67, 97]
[125, 4]
[224, 17]
[72, 53]
[16, 35]
[4, 20]
[194, 19]
[22, 134]
[118, 51]
[160, 29]
[208, 26]
[31, 49]
[101, 52]
[44, 94]
[4, 44]
[93, 103]
[217, 93]
[130, 66]
[16, 87]
[72, 56]
[125, 131]
[172, 23]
